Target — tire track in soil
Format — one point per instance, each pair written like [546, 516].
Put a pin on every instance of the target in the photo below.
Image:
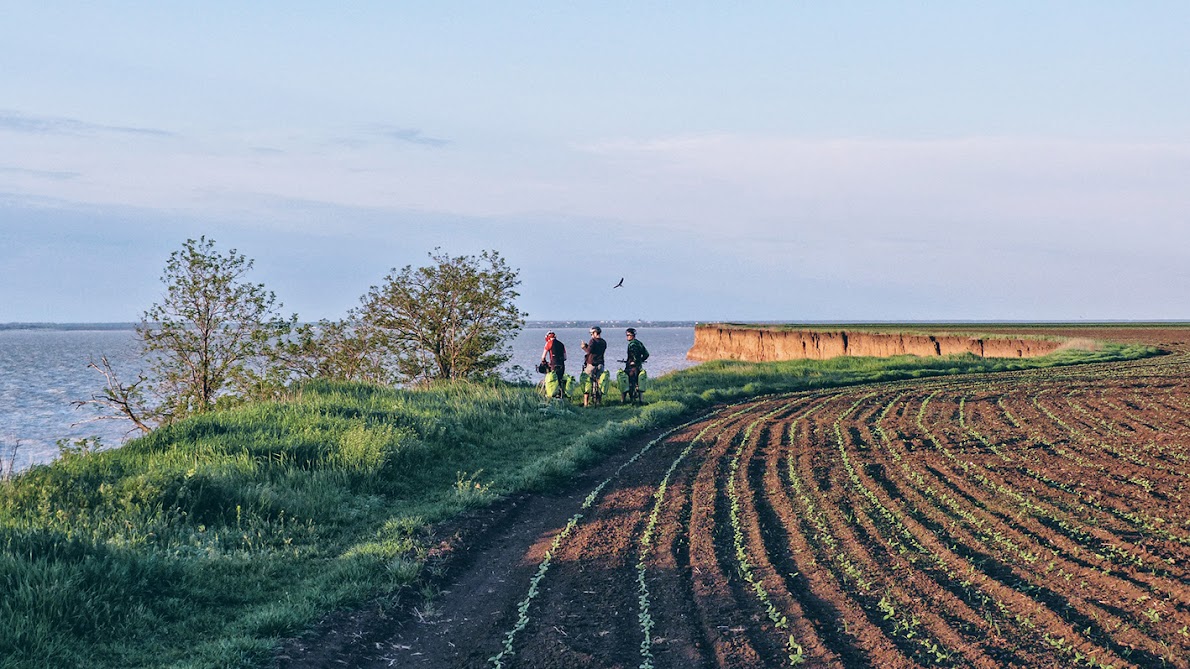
[586, 615]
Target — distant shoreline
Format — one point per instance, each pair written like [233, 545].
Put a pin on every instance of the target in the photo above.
[68, 326]
[528, 324]
[582, 323]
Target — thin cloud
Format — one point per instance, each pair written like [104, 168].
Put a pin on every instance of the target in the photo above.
[54, 125]
[42, 174]
[412, 136]
[385, 134]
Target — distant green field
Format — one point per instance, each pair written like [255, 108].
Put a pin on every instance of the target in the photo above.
[881, 326]
[973, 330]
[205, 542]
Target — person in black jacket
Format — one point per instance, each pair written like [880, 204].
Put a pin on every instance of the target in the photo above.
[593, 362]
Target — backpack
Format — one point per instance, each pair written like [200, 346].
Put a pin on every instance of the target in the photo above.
[637, 349]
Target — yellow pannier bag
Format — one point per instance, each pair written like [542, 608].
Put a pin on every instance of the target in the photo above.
[622, 380]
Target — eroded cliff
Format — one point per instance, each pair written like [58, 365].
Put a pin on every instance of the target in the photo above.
[726, 342]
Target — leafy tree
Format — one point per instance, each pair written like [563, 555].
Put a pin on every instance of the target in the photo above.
[214, 333]
[344, 350]
[451, 319]
[214, 337]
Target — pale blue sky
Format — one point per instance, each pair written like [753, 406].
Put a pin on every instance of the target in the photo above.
[768, 161]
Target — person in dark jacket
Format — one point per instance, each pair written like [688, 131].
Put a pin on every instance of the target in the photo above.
[554, 357]
[637, 354]
[593, 362]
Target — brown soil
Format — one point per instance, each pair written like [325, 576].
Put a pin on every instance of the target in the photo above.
[1027, 519]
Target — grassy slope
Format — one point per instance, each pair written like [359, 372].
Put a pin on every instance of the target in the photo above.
[204, 542]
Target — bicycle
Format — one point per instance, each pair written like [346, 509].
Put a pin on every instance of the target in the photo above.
[596, 393]
[543, 385]
[633, 393]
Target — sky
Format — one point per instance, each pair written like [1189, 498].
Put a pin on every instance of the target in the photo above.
[777, 161]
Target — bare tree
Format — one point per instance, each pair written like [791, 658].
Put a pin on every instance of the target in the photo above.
[119, 401]
[8, 461]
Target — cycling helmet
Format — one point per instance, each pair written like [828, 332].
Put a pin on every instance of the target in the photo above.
[596, 330]
[631, 331]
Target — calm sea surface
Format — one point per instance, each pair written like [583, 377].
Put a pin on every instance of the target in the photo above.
[42, 371]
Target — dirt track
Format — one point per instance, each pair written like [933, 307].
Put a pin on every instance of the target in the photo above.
[1025, 519]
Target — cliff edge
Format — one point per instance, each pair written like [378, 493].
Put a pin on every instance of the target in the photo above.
[718, 341]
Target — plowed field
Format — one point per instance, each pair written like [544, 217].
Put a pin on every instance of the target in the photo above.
[1029, 519]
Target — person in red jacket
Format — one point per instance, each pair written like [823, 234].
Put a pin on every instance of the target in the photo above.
[554, 357]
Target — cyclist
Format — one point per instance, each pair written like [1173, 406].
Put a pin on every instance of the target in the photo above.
[555, 351]
[637, 354]
[593, 363]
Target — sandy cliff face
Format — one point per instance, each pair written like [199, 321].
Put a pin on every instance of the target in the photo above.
[720, 342]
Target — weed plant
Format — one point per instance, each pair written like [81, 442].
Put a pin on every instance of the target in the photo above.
[204, 542]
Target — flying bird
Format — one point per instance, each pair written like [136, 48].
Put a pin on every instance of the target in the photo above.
[618, 284]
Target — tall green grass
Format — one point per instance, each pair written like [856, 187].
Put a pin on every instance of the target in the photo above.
[203, 543]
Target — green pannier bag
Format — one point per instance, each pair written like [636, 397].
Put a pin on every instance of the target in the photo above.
[584, 380]
[604, 381]
[571, 385]
[622, 380]
[642, 381]
[551, 384]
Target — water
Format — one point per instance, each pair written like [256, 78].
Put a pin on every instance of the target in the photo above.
[42, 371]
[667, 347]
